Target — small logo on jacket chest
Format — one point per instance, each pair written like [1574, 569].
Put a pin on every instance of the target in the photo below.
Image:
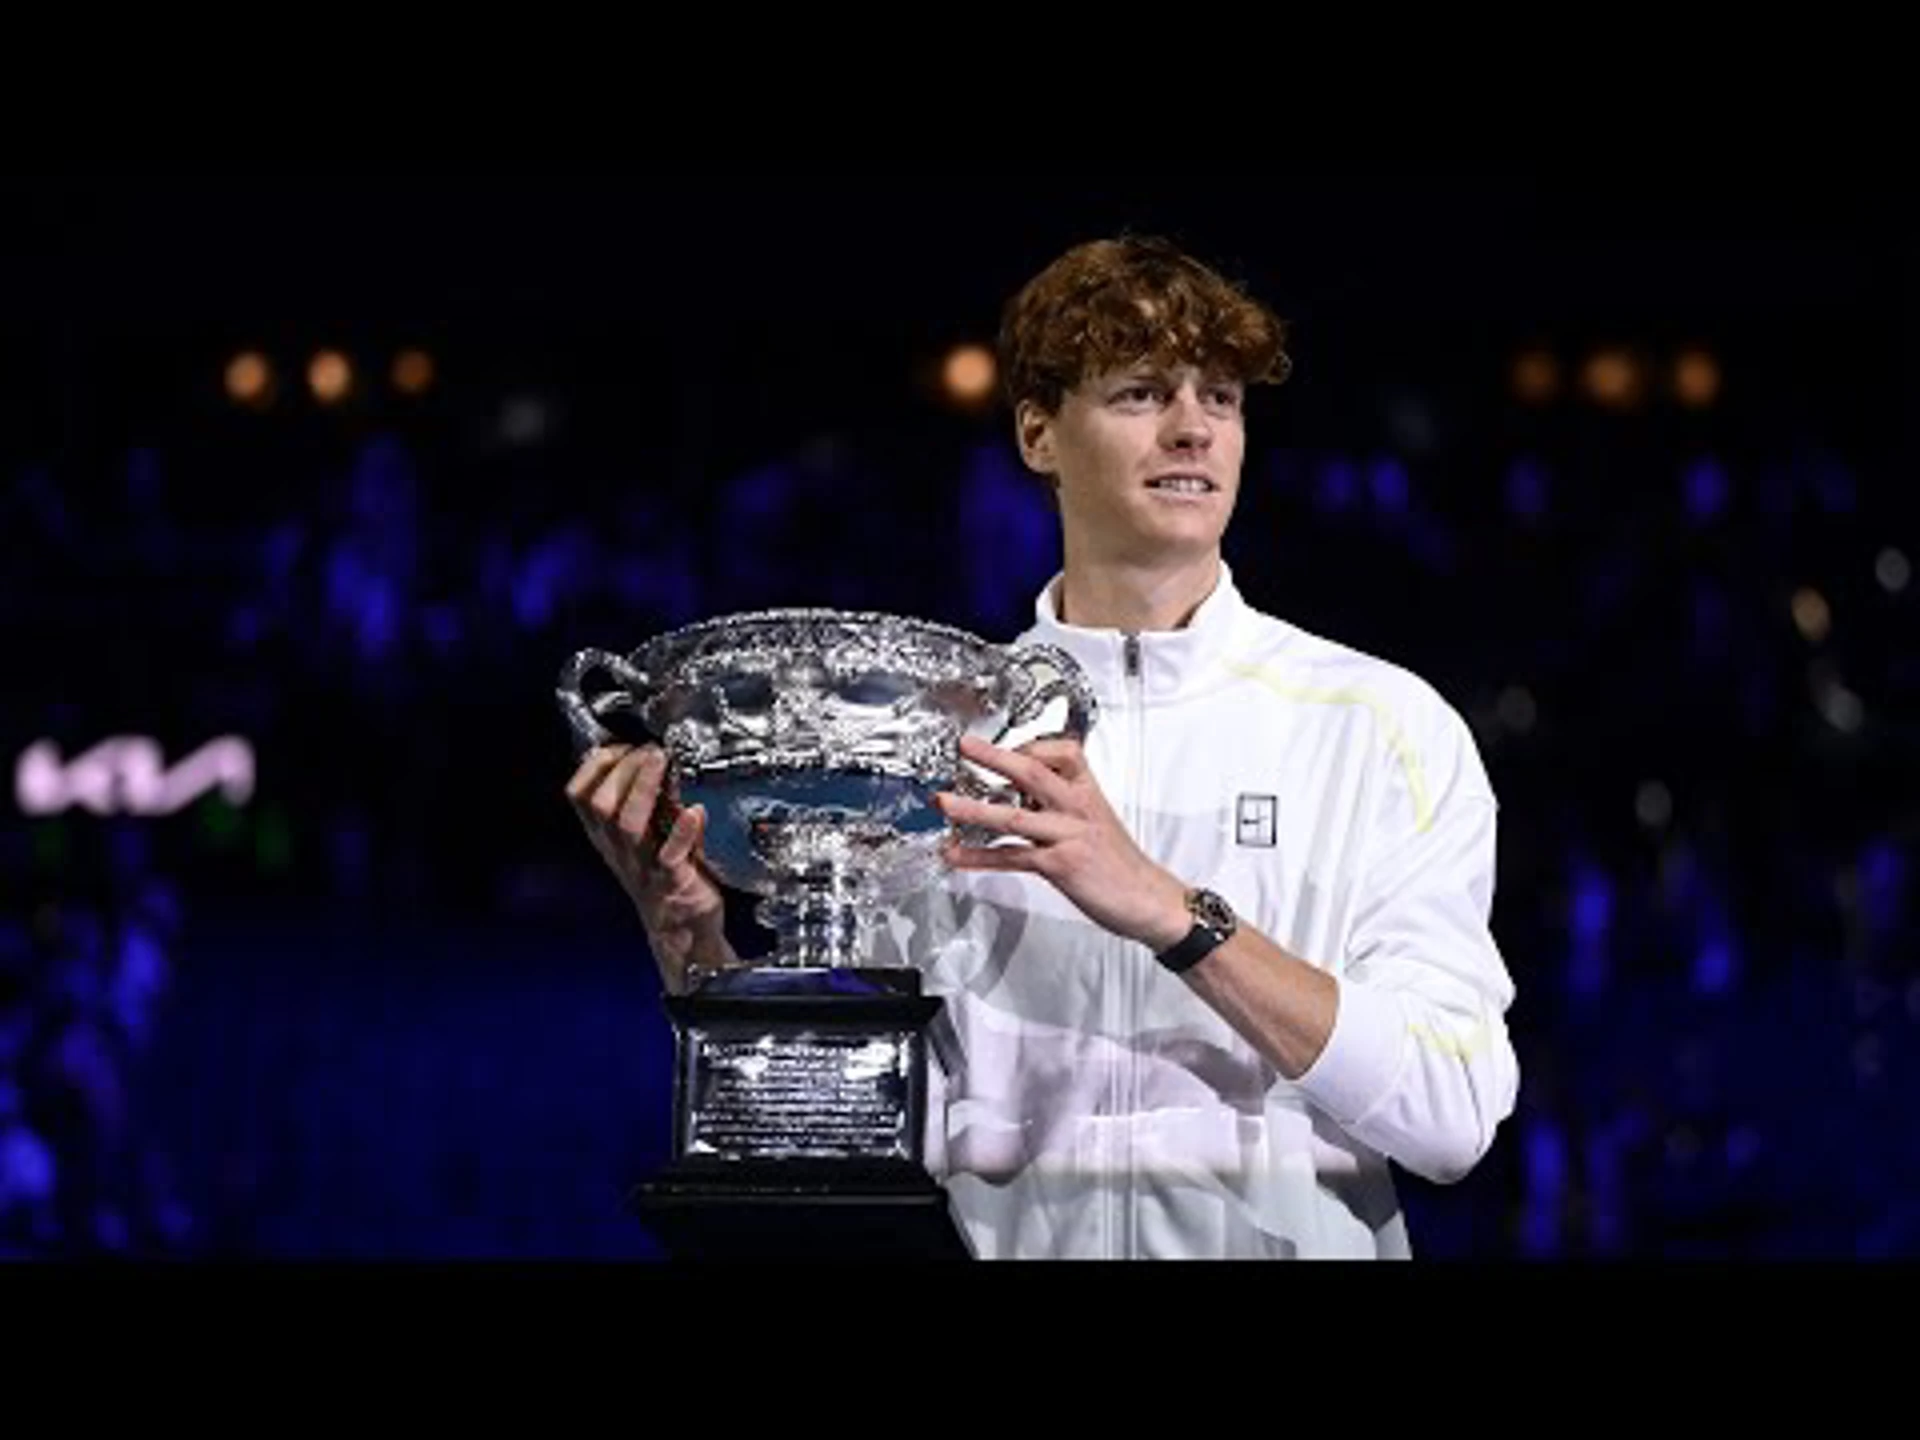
[1256, 819]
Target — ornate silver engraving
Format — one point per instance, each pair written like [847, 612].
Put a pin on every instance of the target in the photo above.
[816, 740]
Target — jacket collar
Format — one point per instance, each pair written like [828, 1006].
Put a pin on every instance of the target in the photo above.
[1173, 663]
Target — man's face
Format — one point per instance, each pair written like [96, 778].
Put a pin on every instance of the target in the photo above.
[1147, 460]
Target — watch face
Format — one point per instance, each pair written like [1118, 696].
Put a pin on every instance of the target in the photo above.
[1213, 912]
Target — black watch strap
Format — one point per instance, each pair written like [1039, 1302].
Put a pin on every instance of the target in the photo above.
[1213, 922]
[1200, 942]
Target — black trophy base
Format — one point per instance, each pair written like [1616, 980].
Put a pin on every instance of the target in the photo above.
[799, 1121]
[799, 1210]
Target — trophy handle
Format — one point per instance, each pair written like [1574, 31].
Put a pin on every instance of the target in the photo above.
[1042, 674]
[583, 712]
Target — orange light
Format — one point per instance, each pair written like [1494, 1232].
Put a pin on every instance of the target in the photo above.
[1536, 377]
[249, 378]
[1613, 380]
[1810, 614]
[330, 376]
[1696, 379]
[412, 372]
[969, 374]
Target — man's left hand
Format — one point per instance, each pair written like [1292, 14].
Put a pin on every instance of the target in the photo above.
[1074, 841]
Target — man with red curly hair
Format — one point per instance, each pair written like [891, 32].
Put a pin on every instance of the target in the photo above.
[1234, 960]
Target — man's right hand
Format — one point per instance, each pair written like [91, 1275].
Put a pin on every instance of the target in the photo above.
[616, 792]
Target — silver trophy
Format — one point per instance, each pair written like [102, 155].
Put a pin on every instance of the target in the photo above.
[815, 740]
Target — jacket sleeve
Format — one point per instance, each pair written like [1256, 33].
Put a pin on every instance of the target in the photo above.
[1420, 1065]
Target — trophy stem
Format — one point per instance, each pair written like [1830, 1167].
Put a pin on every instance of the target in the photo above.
[820, 921]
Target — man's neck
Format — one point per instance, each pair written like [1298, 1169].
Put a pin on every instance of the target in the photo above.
[1135, 598]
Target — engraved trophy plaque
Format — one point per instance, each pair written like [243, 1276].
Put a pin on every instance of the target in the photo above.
[815, 740]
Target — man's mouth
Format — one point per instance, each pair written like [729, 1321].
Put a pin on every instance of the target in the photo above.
[1183, 484]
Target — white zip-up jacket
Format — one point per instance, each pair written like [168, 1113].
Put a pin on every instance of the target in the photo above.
[1096, 1107]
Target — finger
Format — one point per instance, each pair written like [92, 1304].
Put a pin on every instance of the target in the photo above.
[592, 770]
[1029, 774]
[645, 809]
[1042, 826]
[1025, 858]
[611, 796]
[688, 830]
[1066, 758]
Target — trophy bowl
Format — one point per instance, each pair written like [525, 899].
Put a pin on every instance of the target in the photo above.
[815, 740]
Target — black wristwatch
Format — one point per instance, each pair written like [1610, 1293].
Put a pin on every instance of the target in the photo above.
[1213, 922]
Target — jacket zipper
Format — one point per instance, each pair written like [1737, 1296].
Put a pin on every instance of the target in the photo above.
[1126, 969]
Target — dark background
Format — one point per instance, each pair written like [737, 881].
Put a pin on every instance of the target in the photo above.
[385, 1002]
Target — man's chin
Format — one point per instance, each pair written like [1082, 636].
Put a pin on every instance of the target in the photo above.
[1169, 542]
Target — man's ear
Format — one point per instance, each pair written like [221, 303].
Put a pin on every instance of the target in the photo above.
[1033, 431]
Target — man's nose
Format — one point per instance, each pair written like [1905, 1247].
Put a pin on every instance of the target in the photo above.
[1187, 427]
